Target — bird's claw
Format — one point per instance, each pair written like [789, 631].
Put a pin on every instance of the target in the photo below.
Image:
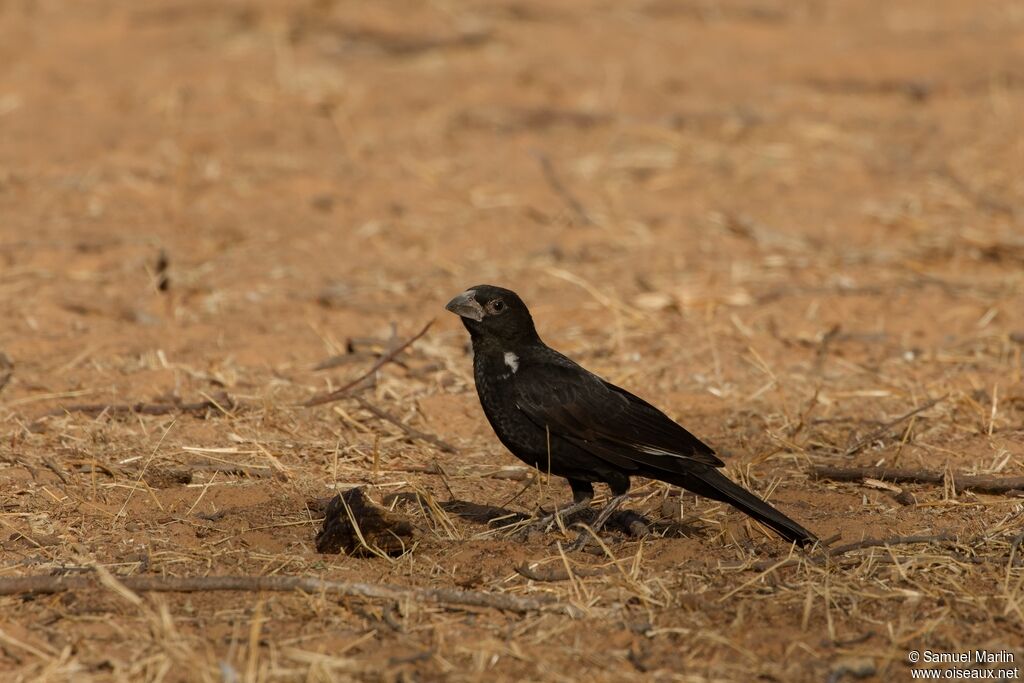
[540, 525]
[560, 517]
[636, 529]
[581, 541]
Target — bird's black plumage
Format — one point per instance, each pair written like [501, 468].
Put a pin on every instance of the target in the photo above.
[558, 417]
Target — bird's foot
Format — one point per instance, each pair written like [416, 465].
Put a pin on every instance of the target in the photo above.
[591, 532]
[635, 528]
[544, 523]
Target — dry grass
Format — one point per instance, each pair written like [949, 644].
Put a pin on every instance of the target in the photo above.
[214, 213]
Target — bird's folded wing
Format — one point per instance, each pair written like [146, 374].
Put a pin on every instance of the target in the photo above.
[607, 421]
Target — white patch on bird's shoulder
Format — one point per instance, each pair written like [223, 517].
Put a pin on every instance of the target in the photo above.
[512, 361]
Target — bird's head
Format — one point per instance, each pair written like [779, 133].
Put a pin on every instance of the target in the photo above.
[490, 312]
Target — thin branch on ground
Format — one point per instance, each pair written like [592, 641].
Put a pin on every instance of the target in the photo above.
[561, 190]
[885, 542]
[412, 432]
[979, 483]
[552, 574]
[45, 584]
[216, 404]
[884, 429]
[381, 362]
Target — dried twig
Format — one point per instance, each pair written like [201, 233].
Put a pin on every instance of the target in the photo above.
[352, 355]
[390, 43]
[45, 584]
[552, 574]
[344, 359]
[980, 483]
[881, 431]
[168, 476]
[216, 404]
[1015, 557]
[885, 542]
[54, 467]
[556, 184]
[411, 431]
[92, 467]
[382, 361]
[6, 370]
[254, 471]
[979, 197]
[832, 553]
[163, 280]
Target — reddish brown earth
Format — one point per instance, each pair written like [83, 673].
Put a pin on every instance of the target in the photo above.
[787, 223]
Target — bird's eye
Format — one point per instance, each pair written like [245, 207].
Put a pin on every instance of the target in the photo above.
[497, 306]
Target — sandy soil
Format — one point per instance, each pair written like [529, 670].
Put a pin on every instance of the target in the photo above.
[787, 223]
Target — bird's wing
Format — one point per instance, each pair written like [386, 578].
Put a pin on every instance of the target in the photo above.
[605, 420]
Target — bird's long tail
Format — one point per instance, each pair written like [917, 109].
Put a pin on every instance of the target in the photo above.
[713, 484]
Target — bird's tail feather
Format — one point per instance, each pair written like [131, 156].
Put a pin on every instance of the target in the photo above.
[713, 484]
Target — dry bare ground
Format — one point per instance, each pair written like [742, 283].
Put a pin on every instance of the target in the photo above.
[796, 226]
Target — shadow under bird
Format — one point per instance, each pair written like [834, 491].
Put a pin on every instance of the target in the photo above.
[553, 414]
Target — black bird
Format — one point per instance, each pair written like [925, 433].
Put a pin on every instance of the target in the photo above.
[560, 418]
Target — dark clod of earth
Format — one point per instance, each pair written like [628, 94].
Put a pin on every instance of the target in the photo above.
[355, 525]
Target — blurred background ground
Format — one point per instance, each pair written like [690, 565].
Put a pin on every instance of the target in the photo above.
[786, 223]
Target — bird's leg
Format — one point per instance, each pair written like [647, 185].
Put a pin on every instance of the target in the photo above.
[602, 518]
[582, 494]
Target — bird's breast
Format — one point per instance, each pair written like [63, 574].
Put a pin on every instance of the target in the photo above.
[495, 386]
